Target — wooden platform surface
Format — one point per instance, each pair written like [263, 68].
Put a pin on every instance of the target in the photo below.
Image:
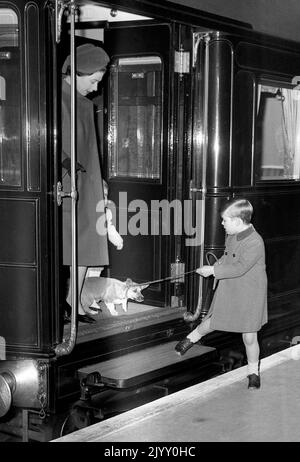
[146, 365]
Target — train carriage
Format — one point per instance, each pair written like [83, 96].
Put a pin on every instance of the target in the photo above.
[195, 109]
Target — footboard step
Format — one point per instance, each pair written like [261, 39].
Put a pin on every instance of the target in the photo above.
[148, 365]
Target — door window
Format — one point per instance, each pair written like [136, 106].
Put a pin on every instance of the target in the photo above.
[135, 118]
[10, 107]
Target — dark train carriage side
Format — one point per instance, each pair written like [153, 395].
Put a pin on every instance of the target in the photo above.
[194, 108]
[253, 106]
[29, 308]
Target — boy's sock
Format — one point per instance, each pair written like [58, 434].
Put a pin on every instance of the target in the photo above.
[252, 368]
[194, 336]
[200, 331]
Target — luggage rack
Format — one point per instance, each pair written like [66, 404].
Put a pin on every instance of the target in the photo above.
[143, 367]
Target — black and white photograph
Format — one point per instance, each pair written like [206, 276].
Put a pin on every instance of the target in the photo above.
[149, 224]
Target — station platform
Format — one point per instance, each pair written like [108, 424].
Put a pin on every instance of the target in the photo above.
[221, 409]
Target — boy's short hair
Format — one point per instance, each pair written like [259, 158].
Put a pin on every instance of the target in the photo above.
[240, 208]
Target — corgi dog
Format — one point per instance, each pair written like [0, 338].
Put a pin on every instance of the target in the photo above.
[111, 291]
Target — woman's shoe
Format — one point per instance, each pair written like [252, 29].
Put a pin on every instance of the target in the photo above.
[85, 318]
[183, 346]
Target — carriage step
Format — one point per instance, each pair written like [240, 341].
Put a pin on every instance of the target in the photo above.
[148, 365]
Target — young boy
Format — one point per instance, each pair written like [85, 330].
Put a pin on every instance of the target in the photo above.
[240, 301]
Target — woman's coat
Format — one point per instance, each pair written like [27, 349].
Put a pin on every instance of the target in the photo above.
[92, 247]
[240, 301]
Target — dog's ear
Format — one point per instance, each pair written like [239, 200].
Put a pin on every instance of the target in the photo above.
[128, 282]
[144, 286]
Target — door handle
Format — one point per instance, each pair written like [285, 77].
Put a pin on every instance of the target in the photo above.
[60, 194]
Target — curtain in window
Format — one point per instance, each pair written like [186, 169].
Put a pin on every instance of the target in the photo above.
[291, 123]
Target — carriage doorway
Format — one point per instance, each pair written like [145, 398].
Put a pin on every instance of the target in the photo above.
[136, 154]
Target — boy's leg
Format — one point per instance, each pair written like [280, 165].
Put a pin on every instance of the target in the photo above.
[252, 352]
[184, 345]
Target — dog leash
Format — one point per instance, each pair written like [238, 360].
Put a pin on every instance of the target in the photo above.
[169, 278]
[172, 278]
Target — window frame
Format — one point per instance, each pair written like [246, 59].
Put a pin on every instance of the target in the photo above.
[19, 185]
[268, 81]
[110, 154]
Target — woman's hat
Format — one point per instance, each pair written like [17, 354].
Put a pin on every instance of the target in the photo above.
[89, 59]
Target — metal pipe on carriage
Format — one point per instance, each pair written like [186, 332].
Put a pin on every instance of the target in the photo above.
[197, 186]
[219, 123]
[219, 133]
[213, 56]
[219, 136]
[66, 347]
[204, 40]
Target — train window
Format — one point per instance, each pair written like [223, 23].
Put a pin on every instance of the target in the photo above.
[10, 107]
[135, 118]
[277, 140]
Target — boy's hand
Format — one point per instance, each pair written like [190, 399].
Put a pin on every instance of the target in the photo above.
[206, 271]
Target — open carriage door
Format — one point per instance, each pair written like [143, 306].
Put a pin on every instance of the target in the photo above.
[197, 286]
[137, 154]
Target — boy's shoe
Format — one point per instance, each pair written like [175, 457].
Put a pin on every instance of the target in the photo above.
[183, 346]
[254, 381]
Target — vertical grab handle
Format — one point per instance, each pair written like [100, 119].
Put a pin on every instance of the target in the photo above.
[67, 346]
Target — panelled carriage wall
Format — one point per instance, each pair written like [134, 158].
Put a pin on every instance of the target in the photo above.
[24, 201]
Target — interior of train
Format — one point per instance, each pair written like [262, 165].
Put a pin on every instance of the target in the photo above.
[130, 111]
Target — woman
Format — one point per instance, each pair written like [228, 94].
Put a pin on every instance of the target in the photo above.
[91, 62]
